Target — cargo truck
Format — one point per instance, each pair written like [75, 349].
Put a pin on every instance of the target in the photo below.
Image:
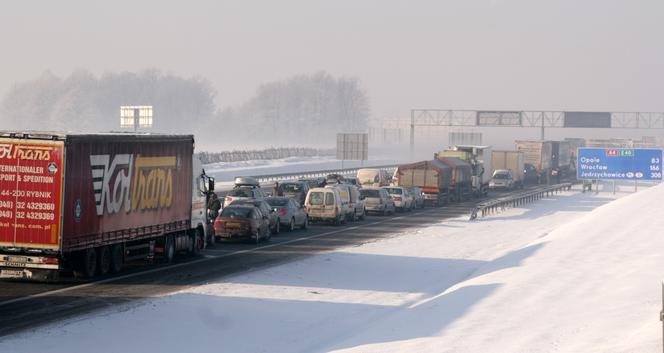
[479, 158]
[432, 177]
[551, 159]
[461, 187]
[88, 203]
[512, 161]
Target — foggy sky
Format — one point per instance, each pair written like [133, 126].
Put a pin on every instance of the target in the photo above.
[484, 54]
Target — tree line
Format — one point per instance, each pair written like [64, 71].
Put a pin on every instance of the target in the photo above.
[306, 109]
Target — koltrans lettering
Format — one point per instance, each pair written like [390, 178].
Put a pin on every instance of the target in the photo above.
[31, 153]
[132, 183]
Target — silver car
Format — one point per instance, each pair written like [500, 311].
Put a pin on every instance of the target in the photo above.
[377, 200]
[291, 214]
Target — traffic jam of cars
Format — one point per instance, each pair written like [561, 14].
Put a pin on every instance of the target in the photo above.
[254, 213]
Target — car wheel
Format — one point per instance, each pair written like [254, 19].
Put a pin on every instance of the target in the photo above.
[337, 221]
[305, 224]
[364, 213]
[268, 234]
[291, 225]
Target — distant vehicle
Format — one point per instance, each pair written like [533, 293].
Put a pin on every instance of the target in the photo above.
[418, 196]
[432, 177]
[373, 177]
[325, 205]
[347, 208]
[294, 189]
[314, 182]
[242, 221]
[331, 179]
[552, 159]
[530, 174]
[480, 159]
[461, 182]
[403, 201]
[266, 209]
[502, 179]
[354, 203]
[291, 213]
[377, 200]
[245, 188]
[512, 161]
[352, 181]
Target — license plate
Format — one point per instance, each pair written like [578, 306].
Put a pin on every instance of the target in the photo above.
[11, 274]
[22, 259]
[233, 225]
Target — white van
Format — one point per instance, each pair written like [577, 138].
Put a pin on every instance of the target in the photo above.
[373, 177]
[325, 205]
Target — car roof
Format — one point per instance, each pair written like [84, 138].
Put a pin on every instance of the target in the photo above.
[239, 205]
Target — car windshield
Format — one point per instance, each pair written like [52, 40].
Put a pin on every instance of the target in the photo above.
[277, 202]
[394, 191]
[291, 187]
[236, 212]
[501, 176]
[369, 193]
[316, 198]
[241, 192]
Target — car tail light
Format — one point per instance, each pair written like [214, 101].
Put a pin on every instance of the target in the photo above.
[397, 198]
[282, 211]
[49, 260]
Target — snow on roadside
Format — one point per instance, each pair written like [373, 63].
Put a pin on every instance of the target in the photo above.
[572, 273]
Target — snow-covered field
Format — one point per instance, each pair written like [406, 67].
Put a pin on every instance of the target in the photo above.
[572, 273]
[226, 171]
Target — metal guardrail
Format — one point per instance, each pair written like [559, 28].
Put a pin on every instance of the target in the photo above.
[320, 173]
[500, 204]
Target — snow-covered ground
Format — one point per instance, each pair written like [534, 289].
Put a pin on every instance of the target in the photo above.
[571, 273]
[226, 171]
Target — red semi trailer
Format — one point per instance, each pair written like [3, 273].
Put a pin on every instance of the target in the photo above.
[90, 202]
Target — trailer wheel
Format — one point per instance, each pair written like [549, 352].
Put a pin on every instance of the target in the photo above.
[169, 249]
[104, 260]
[198, 242]
[116, 258]
[87, 264]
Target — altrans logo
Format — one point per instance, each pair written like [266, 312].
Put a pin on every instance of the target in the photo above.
[132, 183]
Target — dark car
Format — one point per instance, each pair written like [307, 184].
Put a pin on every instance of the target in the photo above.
[242, 221]
[291, 213]
[266, 209]
[314, 182]
[294, 189]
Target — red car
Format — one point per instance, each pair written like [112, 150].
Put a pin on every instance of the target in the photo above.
[242, 221]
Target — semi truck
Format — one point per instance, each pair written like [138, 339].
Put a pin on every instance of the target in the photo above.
[551, 159]
[433, 177]
[479, 158]
[88, 203]
[512, 161]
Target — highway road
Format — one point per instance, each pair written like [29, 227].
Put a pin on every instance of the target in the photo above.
[26, 305]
